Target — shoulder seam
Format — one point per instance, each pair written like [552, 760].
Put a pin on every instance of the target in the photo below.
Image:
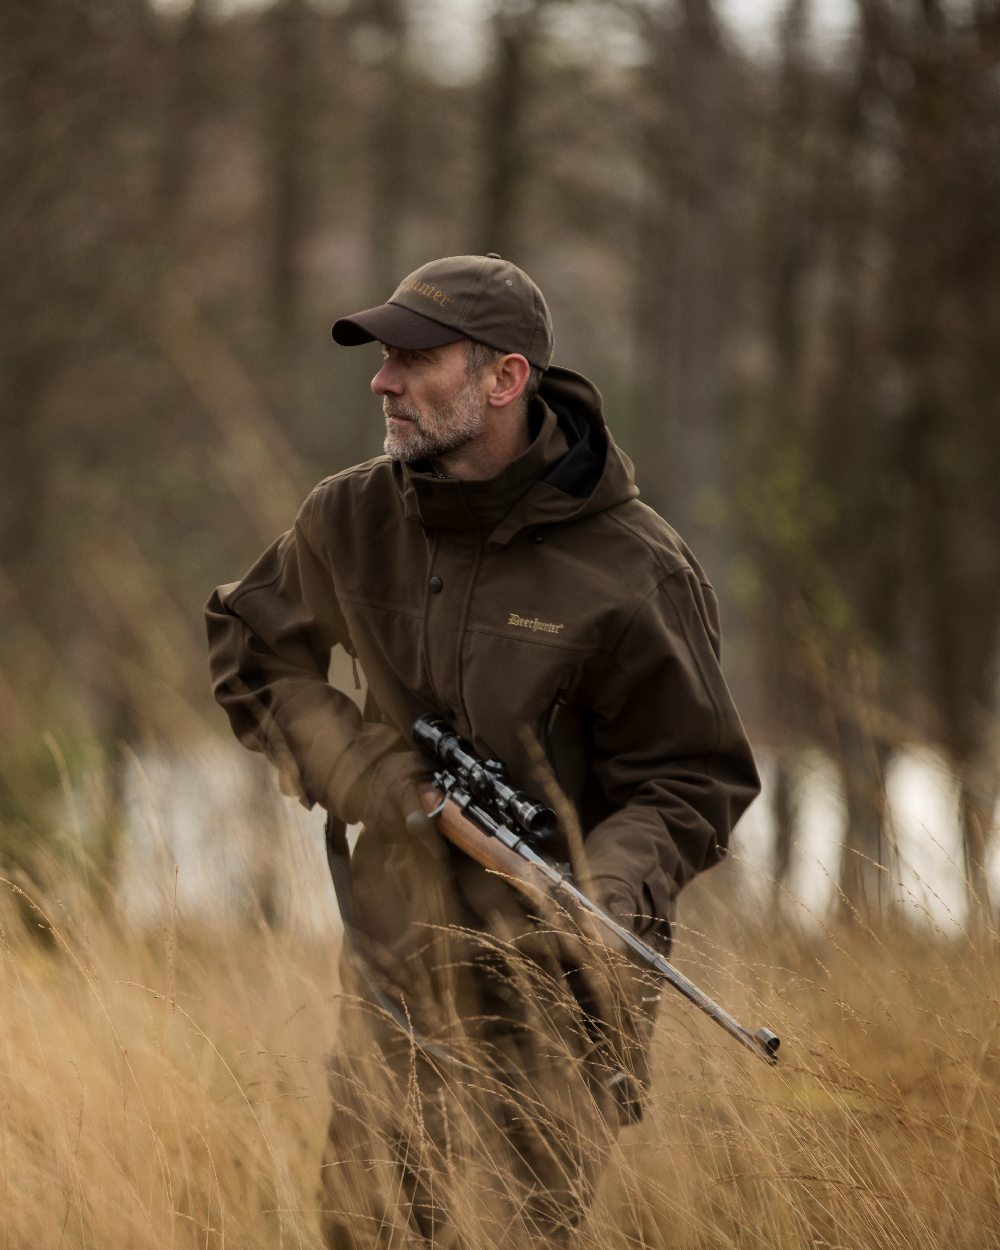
[681, 565]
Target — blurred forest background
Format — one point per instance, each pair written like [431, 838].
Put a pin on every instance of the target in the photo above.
[779, 260]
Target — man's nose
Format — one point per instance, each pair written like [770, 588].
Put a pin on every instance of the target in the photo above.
[386, 381]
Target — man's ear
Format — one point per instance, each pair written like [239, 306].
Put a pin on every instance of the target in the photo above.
[509, 380]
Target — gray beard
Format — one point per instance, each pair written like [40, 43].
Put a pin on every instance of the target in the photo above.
[464, 423]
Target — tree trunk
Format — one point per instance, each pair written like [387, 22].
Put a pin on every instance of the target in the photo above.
[504, 141]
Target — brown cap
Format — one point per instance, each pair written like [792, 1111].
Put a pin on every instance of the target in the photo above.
[484, 298]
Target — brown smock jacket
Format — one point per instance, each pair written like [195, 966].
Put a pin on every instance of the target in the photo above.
[548, 605]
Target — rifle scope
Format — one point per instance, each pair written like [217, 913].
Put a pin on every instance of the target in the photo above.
[483, 779]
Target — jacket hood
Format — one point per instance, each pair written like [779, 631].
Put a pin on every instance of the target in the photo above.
[573, 468]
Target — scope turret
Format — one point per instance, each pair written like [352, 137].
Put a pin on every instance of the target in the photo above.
[484, 779]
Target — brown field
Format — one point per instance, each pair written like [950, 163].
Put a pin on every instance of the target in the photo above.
[166, 1089]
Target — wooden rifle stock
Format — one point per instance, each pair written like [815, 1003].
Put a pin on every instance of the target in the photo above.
[488, 852]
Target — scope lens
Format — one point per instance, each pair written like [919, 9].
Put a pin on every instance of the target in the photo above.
[536, 819]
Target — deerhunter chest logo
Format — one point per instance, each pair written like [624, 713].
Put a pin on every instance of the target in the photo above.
[533, 623]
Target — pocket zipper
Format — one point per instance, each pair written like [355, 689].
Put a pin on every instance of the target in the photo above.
[549, 722]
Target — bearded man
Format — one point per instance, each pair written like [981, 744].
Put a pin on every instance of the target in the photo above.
[495, 567]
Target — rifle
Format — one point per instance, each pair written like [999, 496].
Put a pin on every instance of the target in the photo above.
[501, 827]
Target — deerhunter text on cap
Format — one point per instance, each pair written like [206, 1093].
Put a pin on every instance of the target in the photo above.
[484, 298]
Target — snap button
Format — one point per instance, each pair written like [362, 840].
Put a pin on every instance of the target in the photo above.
[536, 537]
[435, 584]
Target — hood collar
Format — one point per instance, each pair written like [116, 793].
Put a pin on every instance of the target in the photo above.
[571, 468]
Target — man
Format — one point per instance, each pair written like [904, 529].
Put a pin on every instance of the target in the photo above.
[494, 566]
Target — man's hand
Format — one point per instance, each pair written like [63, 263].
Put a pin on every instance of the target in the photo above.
[394, 805]
[619, 901]
[424, 798]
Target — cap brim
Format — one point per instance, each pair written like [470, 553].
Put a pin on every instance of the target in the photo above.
[394, 325]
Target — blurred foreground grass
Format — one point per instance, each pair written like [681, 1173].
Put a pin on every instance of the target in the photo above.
[165, 1088]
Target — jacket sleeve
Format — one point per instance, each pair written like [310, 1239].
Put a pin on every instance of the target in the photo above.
[270, 637]
[670, 752]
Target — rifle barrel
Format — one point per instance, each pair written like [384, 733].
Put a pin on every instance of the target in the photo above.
[764, 1044]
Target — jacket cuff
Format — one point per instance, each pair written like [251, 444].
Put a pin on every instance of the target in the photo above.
[380, 785]
[619, 900]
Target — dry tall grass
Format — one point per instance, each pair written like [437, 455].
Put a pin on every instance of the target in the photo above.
[166, 1089]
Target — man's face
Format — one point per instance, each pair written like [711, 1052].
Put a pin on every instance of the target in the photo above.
[432, 406]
